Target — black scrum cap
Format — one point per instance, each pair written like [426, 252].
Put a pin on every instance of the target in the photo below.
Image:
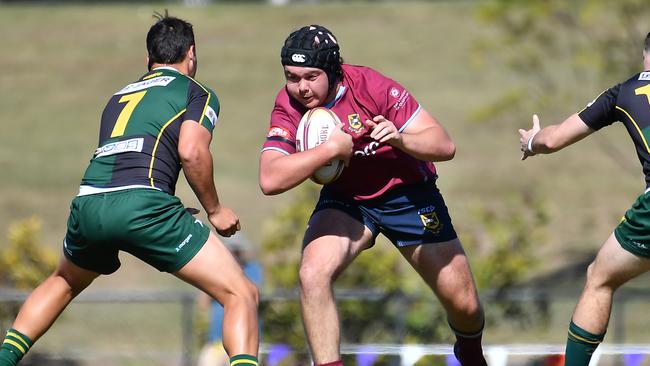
[313, 46]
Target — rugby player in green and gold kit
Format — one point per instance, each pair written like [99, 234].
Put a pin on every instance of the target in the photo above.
[150, 129]
[626, 253]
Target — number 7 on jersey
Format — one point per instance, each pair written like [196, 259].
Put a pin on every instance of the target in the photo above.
[132, 101]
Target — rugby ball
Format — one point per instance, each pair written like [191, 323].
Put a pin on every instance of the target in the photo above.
[315, 128]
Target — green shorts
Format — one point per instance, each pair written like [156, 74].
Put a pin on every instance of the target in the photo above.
[633, 233]
[150, 224]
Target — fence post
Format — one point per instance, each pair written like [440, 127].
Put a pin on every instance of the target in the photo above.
[619, 316]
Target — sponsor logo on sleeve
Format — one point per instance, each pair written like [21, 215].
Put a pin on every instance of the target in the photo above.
[212, 115]
[277, 131]
[402, 97]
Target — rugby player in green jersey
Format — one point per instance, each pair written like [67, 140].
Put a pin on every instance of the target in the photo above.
[626, 253]
[149, 130]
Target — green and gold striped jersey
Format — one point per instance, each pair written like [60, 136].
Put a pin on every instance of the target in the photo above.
[140, 127]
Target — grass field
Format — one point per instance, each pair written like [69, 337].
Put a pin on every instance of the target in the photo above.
[64, 61]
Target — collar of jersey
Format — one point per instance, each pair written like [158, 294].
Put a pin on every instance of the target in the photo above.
[339, 94]
[166, 68]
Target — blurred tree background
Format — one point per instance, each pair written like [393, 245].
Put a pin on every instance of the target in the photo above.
[550, 45]
[24, 262]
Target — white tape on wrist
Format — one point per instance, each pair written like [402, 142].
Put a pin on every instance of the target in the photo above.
[529, 147]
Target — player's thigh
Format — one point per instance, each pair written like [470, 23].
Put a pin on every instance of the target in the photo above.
[215, 271]
[77, 277]
[614, 264]
[332, 240]
[444, 267]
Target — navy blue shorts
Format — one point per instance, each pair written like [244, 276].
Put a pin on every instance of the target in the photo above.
[407, 215]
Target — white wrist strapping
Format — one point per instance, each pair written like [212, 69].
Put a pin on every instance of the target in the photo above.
[529, 147]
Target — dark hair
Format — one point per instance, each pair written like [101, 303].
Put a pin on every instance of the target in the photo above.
[647, 43]
[313, 46]
[168, 40]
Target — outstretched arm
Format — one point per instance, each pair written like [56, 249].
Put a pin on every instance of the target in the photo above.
[424, 138]
[194, 151]
[552, 138]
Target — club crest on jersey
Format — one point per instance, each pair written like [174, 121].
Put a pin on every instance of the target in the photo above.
[354, 121]
[430, 219]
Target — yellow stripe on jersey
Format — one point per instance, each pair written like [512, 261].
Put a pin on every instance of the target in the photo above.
[582, 339]
[155, 146]
[592, 102]
[645, 143]
[15, 344]
[152, 75]
[250, 362]
[17, 336]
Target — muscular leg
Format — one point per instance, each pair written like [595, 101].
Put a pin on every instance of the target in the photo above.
[444, 267]
[43, 307]
[612, 267]
[216, 272]
[329, 250]
[47, 301]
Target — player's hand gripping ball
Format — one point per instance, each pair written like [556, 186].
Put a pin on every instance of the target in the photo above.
[315, 128]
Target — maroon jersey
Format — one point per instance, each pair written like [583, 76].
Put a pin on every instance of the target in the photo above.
[375, 167]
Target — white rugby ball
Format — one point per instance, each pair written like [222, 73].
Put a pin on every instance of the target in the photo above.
[315, 128]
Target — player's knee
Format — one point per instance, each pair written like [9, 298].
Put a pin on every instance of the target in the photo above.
[254, 294]
[313, 278]
[468, 307]
[249, 293]
[472, 310]
[598, 280]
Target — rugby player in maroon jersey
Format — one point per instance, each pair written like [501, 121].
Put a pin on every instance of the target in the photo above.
[389, 143]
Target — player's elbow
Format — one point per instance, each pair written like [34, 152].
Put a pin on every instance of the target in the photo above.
[189, 153]
[450, 150]
[446, 151]
[269, 186]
